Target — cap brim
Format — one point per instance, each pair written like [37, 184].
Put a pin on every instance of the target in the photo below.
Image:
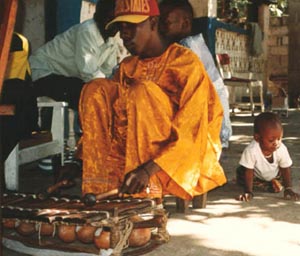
[128, 18]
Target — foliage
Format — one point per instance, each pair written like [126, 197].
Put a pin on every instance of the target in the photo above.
[279, 9]
[240, 5]
[234, 11]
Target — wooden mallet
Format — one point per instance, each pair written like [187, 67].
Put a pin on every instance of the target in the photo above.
[90, 199]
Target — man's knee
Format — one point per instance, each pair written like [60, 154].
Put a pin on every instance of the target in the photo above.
[98, 93]
[90, 90]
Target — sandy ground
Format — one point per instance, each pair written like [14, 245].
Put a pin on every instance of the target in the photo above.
[266, 226]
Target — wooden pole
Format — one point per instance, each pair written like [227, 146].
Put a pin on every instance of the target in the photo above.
[8, 12]
[7, 28]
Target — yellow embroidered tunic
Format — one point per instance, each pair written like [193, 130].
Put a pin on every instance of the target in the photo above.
[163, 108]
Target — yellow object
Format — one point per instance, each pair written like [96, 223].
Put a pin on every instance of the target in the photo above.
[18, 64]
[163, 108]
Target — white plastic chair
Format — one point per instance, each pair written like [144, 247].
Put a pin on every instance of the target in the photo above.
[244, 80]
[39, 150]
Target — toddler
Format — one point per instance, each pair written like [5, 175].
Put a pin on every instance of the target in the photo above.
[265, 162]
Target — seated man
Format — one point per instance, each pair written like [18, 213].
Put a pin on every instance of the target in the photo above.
[156, 124]
[176, 25]
[84, 52]
[63, 65]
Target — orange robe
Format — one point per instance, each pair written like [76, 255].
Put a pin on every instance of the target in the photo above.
[163, 109]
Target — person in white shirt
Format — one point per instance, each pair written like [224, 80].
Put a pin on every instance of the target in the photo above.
[266, 160]
[61, 67]
[84, 52]
[176, 17]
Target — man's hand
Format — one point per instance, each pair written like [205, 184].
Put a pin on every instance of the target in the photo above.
[289, 194]
[135, 181]
[246, 197]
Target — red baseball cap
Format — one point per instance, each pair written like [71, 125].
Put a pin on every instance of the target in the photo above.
[134, 11]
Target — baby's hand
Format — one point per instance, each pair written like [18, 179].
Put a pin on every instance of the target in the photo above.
[246, 197]
[289, 194]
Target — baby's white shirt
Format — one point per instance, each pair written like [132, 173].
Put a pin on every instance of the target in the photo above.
[253, 158]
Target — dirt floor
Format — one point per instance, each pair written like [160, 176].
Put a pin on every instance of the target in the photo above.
[266, 226]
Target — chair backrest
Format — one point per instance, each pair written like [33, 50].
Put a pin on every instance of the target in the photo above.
[223, 62]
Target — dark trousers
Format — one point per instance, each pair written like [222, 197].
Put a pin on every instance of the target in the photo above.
[59, 88]
[25, 120]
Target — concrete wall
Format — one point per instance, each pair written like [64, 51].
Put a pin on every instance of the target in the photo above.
[87, 10]
[294, 52]
[204, 8]
[278, 59]
[278, 43]
[30, 21]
